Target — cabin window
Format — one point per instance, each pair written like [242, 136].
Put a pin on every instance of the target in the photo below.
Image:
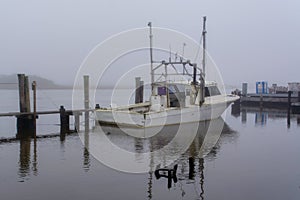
[187, 92]
[181, 88]
[177, 95]
[212, 91]
[172, 89]
[161, 91]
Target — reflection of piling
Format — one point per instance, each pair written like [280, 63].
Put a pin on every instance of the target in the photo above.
[35, 162]
[86, 101]
[201, 170]
[191, 168]
[24, 160]
[236, 108]
[244, 116]
[86, 154]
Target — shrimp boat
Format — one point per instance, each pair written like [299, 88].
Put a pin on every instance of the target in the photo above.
[172, 102]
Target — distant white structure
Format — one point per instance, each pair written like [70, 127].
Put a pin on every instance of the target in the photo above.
[294, 87]
[275, 89]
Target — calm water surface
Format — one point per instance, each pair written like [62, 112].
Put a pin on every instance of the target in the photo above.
[256, 157]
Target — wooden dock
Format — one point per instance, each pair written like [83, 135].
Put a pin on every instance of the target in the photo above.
[270, 100]
[26, 119]
[17, 114]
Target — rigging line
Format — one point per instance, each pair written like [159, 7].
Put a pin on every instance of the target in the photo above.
[49, 98]
[198, 50]
[159, 78]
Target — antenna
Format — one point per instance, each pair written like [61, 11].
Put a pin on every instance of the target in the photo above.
[183, 45]
[170, 51]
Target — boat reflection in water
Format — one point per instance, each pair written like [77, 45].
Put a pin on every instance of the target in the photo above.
[139, 150]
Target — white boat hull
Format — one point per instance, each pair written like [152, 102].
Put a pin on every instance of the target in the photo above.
[212, 109]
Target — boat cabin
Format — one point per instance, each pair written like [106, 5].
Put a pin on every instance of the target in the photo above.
[178, 94]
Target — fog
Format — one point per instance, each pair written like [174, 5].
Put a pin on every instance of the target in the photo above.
[248, 40]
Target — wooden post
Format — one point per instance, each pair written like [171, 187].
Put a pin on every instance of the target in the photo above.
[21, 79]
[137, 88]
[77, 126]
[96, 121]
[64, 121]
[34, 108]
[86, 101]
[289, 108]
[26, 94]
[24, 123]
[141, 90]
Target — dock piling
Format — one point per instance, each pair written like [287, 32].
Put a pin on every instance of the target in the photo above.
[77, 125]
[26, 120]
[261, 101]
[86, 101]
[25, 124]
[26, 94]
[34, 108]
[21, 80]
[244, 89]
[137, 88]
[289, 108]
[96, 121]
[141, 91]
[64, 121]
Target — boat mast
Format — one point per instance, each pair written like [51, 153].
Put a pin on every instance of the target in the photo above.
[151, 57]
[204, 46]
[202, 74]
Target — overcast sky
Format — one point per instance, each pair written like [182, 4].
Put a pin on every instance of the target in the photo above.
[249, 40]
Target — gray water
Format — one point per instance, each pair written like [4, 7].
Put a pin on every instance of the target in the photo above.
[256, 157]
